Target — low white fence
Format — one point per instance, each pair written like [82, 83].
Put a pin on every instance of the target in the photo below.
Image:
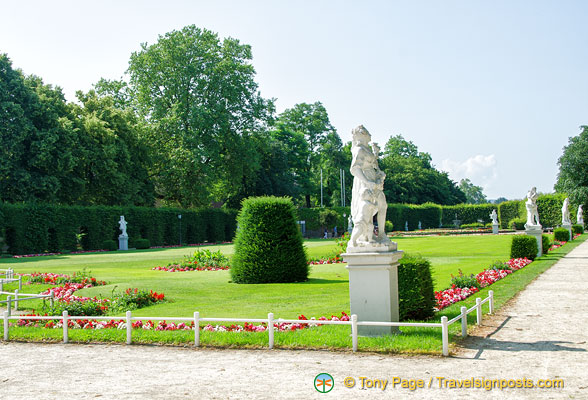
[18, 297]
[353, 322]
[8, 277]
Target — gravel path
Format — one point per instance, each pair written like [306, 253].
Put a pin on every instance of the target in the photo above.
[540, 335]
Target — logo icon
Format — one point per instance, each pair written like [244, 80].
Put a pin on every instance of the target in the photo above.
[324, 383]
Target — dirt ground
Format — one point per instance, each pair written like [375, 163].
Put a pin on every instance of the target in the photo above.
[540, 335]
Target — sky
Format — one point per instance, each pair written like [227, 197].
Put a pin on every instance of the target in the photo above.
[493, 90]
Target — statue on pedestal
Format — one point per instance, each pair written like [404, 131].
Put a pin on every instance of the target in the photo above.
[123, 225]
[531, 205]
[580, 216]
[565, 212]
[494, 217]
[368, 199]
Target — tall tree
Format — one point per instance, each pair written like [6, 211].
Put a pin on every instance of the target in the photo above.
[474, 194]
[323, 145]
[573, 168]
[199, 95]
[113, 157]
[411, 178]
[36, 139]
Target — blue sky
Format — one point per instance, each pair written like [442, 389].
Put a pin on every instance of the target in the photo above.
[492, 90]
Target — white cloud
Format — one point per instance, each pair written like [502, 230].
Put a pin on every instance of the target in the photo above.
[480, 169]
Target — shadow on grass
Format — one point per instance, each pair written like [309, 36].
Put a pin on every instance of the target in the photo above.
[318, 281]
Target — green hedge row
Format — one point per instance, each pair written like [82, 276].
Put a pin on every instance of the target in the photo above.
[35, 228]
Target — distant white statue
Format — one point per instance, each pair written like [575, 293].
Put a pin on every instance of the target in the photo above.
[494, 217]
[580, 216]
[531, 205]
[565, 212]
[368, 199]
[123, 225]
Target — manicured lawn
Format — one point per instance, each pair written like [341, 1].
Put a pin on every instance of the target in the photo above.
[211, 293]
[326, 292]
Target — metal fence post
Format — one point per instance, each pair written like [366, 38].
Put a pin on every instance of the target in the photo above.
[6, 315]
[129, 327]
[464, 321]
[445, 335]
[479, 311]
[65, 319]
[354, 331]
[270, 327]
[491, 302]
[196, 328]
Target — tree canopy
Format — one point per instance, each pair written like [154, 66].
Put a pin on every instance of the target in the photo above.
[411, 178]
[573, 168]
[474, 194]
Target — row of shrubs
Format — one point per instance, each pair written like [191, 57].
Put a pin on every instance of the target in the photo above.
[525, 246]
[35, 228]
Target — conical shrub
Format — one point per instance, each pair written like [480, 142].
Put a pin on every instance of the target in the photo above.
[268, 244]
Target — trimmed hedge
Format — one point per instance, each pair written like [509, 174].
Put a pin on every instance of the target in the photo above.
[109, 245]
[549, 209]
[415, 288]
[268, 244]
[561, 235]
[524, 246]
[37, 228]
[577, 229]
[467, 213]
[545, 244]
[142, 243]
[509, 210]
[517, 224]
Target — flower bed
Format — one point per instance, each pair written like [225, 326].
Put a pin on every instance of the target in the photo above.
[58, 279]
[164, 326]
[202, 260]
[447, 297]
[326, 260]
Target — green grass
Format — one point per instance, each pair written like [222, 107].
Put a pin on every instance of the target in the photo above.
[326, 293]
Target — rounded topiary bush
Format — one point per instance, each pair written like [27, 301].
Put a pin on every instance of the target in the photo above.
[416, 295]
[268, 244]
[524, 246]
[561, 235]
[577, 229]
[517, 224]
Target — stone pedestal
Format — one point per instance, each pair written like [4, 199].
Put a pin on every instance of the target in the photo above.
[537, 232]
[123, 242]
[569, 228]
[495, 229]
[373, 289]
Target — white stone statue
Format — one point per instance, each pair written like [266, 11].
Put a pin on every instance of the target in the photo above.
[531, 205]
[580, 216]
[565, 212]
[494, 217]
[368, 199]
[123, 225]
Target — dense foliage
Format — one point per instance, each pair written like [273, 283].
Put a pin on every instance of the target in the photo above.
[35, 228]
[268, 244]
[573, 168]
[561, 235]
[415, 288]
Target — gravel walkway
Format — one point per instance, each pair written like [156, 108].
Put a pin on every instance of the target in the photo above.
[540, 335]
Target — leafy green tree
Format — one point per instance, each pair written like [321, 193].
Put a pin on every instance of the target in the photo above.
[474, 194]
[36, 139]
[113, 157]
[201, 101]
[323, 147]
[573, 168]
[411, 178]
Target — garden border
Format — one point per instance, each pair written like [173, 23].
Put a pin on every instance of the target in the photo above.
[353, 322]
